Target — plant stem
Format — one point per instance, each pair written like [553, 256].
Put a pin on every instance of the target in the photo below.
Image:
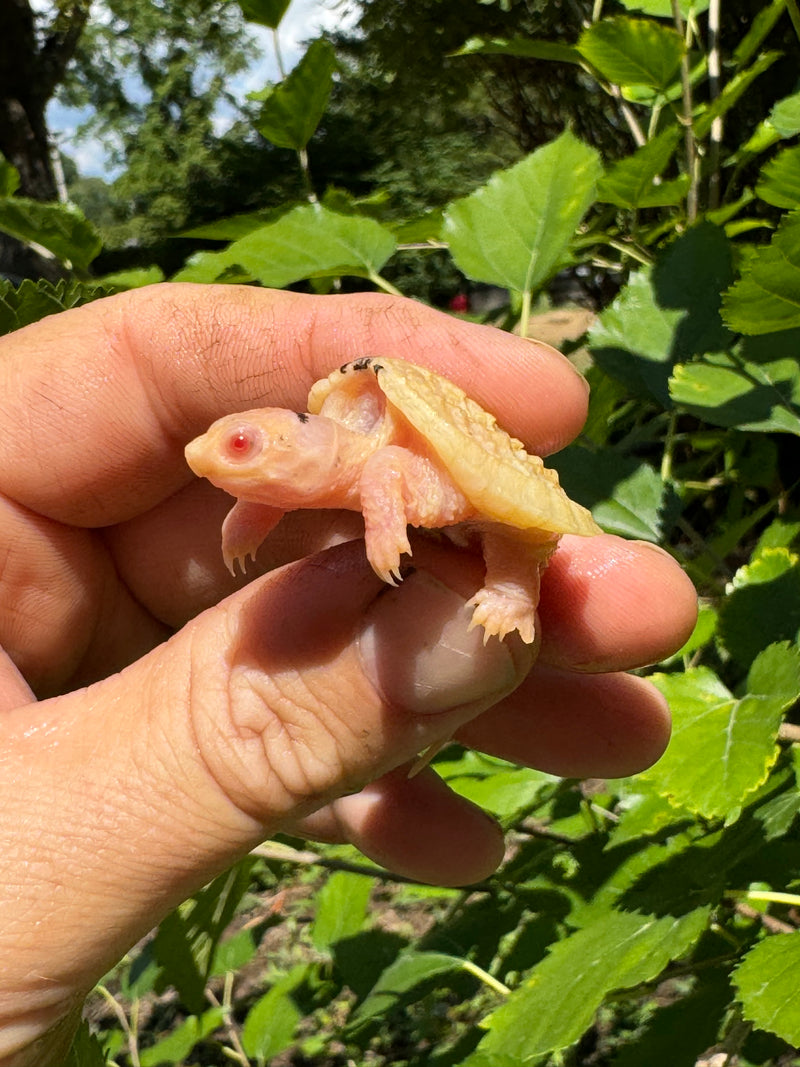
[302, 156]
[715, 134]
[525, 312]
[276, 44]
[686, 120]
[130, 1034]
[485, 977]
[776, 898]
[381, 282]
[794, 15]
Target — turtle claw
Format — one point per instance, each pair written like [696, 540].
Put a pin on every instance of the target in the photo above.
[500, 615]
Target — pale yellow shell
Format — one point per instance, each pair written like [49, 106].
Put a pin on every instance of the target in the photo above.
[492, 469]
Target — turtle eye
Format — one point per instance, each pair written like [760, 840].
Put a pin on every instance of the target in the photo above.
[241, 444]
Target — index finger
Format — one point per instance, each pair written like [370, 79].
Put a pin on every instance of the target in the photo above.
[97, 403]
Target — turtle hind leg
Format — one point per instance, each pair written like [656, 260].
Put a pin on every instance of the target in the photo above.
[509, 597]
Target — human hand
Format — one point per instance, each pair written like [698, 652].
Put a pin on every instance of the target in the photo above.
[294, 702]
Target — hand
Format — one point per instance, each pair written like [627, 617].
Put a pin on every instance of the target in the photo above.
[184, 716]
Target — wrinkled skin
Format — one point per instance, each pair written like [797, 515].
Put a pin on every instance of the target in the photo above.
[185, 715]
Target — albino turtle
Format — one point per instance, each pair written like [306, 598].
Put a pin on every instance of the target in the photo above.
[405, 447]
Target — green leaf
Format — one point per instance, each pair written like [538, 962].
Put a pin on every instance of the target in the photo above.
[132, 279]
[714, 729]
[766, 981]
[272, 1022]
[666, 314]
[265, 12]
[523, 47]
[32, 301]
[9, 177]
[779, 184]
[505, 792]
[785, 115]
[85, 1050]
[763, 605]
[767, 297]
[732, 93]
[308, 242]
[291, 112]
[61, 229]
[558, 1000]
[399, 982]
[630, 51]
[176, 1046]
[626, 496]
[515, 230]
[341, 906]
[630, 183]
[662, 9]
[727, 390]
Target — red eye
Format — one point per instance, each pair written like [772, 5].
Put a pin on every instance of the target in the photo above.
[242, 443]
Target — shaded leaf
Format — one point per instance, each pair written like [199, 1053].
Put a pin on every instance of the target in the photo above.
[85, 1050]
[767, 297]
[766, 981]
[31, 301]
[176, 1046]
[723, 747]
[291, 111]
[514, 231]
[630, 183]
[265, 12]
[626, 496]
[733, 90]
[630, 51]
[558, 1000]
[9, 177]
[402, 979]
[727, 391]
[61, 229]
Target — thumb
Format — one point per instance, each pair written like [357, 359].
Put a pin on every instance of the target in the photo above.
[123, 798]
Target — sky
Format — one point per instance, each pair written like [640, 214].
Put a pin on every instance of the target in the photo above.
[302, 22]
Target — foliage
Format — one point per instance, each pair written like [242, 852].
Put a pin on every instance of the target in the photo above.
[644, 920]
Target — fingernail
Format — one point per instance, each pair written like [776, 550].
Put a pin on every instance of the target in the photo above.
[417, 650]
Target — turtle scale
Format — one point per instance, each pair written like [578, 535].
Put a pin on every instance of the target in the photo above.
[502, 481]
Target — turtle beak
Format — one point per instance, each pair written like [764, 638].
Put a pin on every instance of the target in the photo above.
[198, 456]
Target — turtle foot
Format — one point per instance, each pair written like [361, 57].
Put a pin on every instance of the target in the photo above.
[500, 614]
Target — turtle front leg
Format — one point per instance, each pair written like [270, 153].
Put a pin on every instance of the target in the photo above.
[510, 594]
[245, 527]
[399, 488]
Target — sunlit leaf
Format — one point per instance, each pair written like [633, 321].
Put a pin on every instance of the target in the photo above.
[291, 111]
[734, 735]
[341, 906]
[662, 9]
[630, 51]
[515, 230]
[558, 1000]
[780, 180]
[310, 241]
[785, 115]
[763, 604]
[523, 47]
[9, 177]
[60, 228]
[766, 981]
[177, 1045]
[400, 980]
[271, 1023]
[732, 92]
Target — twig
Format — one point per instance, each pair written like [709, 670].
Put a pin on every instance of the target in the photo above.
[790, 732]
[775, 926]
[122, 1018]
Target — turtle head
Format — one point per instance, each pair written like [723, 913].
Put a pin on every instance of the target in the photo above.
[270, 455]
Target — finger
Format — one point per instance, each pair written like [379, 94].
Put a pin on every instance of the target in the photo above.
[576, 726]
[608, 604]
[303, 687]
[415, 827]
[141, 373]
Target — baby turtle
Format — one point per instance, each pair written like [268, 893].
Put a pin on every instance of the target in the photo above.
[404, 446]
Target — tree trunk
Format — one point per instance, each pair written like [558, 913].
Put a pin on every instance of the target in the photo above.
[31, 67]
